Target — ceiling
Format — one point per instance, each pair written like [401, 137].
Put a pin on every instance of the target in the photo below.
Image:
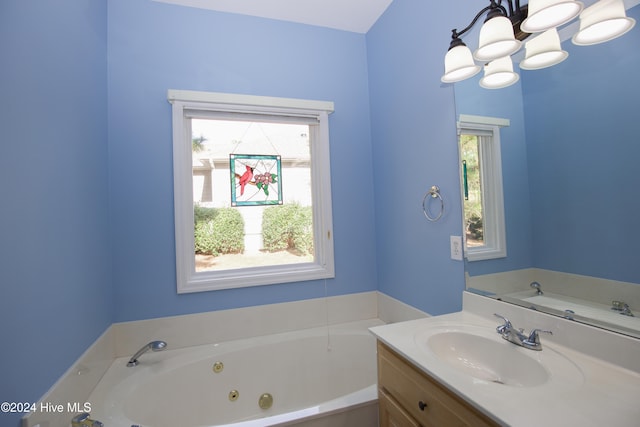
[349, 15]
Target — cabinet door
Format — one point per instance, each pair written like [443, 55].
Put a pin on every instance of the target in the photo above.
[392, 414]
[424, 399]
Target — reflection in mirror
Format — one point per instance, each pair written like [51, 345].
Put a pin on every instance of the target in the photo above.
[571, 185]
[481, 176]
[473, 209]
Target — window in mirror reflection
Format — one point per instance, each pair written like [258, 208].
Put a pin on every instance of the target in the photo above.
[469, 151]
[481, 180]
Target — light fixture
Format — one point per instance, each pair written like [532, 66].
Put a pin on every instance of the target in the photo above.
[507, 24]
[546, 14]
[601, 22]
[497, 38]
[543, 51]
[458, 63]
[498, 74]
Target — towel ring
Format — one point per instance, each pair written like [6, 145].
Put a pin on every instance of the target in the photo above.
[434, 192]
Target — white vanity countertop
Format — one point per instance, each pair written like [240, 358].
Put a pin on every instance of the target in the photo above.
[595, 393]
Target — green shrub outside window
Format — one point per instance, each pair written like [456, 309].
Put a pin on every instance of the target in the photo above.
[288, 227]
[218, 231]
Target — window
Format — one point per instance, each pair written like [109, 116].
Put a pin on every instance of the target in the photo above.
[252, 190]
[481, 179]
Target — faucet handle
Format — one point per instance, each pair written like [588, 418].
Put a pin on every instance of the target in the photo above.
[537, 287]
[534, 338]
[83, 420]
[507, 324]
[80, 419]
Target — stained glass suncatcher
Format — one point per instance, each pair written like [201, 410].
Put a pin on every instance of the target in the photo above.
[255, 179]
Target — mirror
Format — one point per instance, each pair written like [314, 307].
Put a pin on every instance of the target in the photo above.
[571, 184]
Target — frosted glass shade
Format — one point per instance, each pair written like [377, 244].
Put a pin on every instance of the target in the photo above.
[601, 22]
[496, 40]
[498, 74]
[459, 65]
[543, 51]
[546, 14]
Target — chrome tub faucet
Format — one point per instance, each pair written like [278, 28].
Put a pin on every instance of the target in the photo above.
[153, 346]
[518, 337]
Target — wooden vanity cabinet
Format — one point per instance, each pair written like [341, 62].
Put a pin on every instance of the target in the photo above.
[410, 398]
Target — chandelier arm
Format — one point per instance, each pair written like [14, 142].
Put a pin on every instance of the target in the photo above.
[517, 5]
[518, 13]
[512, 9]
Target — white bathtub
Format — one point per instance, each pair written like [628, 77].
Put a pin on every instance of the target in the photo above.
[313, 375]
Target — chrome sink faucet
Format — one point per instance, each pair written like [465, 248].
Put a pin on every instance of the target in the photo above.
[518, 337]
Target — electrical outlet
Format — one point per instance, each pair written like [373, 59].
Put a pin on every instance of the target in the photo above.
[456, 247]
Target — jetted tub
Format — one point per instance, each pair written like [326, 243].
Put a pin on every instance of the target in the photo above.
[301, 377]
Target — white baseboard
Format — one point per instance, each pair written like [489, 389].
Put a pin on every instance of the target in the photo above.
[226, 325]
[391, 310]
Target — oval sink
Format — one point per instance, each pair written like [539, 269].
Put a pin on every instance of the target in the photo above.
[495, 361]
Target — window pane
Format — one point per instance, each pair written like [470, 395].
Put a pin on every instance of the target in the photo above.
[252, 194]
[471, 179]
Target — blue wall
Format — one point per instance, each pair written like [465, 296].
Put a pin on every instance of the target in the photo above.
[86, 168]
[55, 269]
[414, 146]
[595, 220]
[154, 47]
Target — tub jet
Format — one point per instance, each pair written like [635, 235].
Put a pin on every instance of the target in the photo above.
[265, 401]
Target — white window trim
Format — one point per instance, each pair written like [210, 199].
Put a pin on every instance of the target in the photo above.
[188, 280]
[492, 191]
